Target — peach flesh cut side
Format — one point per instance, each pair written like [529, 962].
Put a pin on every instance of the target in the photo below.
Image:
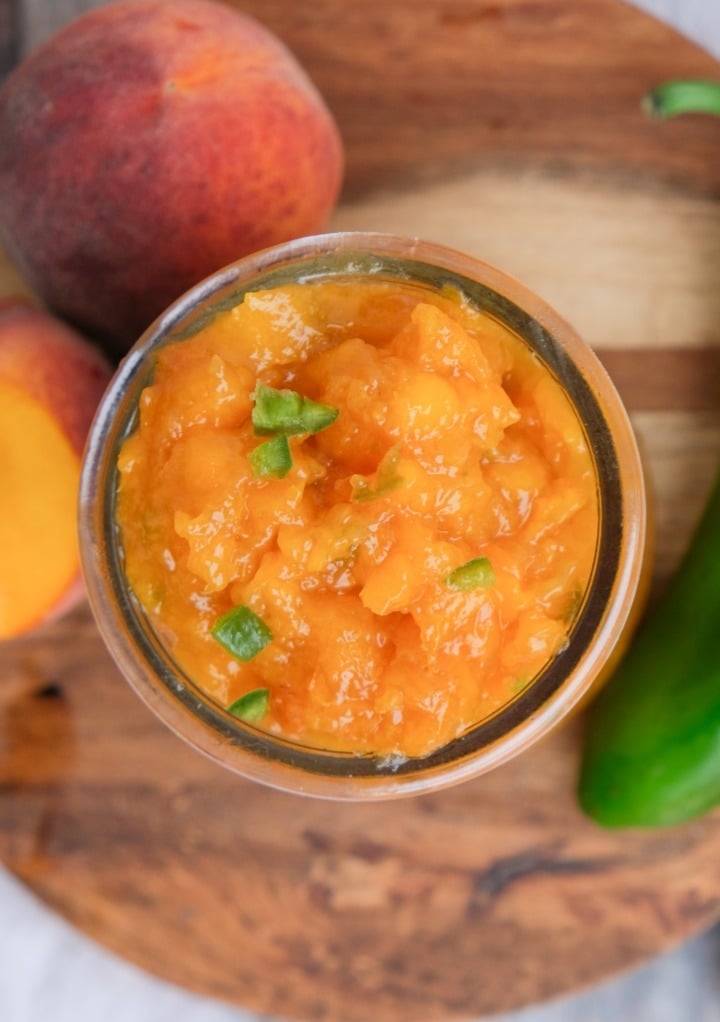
[40, 472]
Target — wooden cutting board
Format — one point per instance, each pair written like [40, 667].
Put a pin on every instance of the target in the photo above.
[511, 130]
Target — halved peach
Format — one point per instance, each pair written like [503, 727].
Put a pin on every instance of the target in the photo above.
[51, 380]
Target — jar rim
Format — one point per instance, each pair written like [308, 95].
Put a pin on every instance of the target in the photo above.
[282, 763]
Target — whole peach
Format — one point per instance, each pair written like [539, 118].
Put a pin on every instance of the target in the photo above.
[149, 143]
[51, 381]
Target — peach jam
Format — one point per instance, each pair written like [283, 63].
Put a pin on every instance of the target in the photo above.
[361, 515]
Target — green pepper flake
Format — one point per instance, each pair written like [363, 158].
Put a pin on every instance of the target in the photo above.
[242, 633]
[286, 411]
[271, 458]
[387, 478]
[251, 707]
[474, 574]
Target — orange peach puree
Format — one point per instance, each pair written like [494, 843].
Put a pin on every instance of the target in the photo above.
[473, 451]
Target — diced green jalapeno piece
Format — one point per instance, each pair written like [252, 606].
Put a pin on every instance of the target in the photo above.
[271, 458]
[251, 707]
[474, 574]
[286, 411]
[242, 633]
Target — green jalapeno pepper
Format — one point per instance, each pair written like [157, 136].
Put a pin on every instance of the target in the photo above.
[652, 745]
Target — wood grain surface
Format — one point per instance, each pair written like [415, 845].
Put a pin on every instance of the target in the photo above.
[424, 91]
[511, 130]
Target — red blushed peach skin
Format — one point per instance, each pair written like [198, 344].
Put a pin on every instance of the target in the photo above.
[150, 143]
[51, 381]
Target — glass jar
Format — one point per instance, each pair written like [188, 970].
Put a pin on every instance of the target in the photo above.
[598, 633]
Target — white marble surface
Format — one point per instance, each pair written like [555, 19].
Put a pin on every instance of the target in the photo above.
[50, 973]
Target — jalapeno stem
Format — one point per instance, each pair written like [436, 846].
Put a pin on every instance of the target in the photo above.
[474, 574]
[683, 96]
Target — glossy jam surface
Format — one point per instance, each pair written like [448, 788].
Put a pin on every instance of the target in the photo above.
[453, 446]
